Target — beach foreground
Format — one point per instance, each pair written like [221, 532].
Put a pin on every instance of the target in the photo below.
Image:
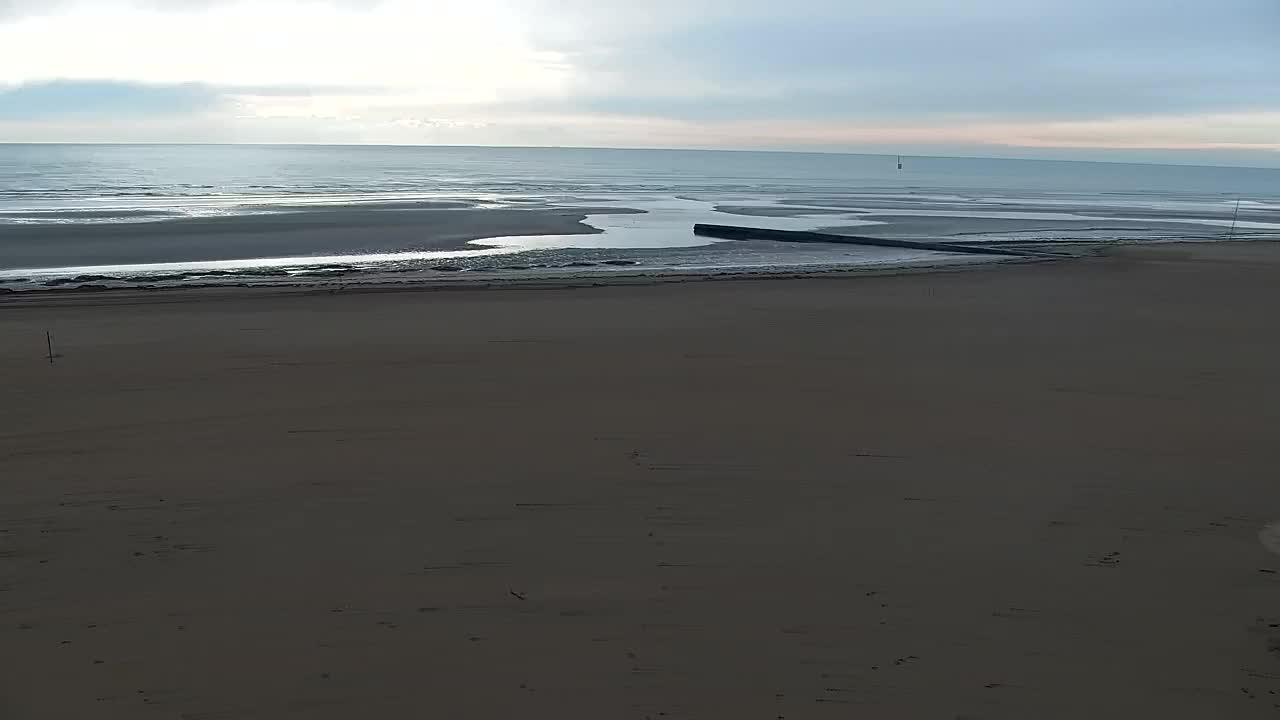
[1008, 492]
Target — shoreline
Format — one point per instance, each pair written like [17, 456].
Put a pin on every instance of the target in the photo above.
[612, 278]
[375, 237]
[68, 296]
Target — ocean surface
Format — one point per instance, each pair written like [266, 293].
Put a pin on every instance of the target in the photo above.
[130, 213]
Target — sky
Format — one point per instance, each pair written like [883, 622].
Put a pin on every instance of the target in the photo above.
[1191, 81]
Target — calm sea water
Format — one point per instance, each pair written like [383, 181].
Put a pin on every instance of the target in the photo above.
[77, 176]
[43, 185]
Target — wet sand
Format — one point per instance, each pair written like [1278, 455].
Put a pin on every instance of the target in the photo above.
[1006, 492]
[319, 231]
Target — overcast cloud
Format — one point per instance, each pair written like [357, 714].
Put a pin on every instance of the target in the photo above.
[1094, 78]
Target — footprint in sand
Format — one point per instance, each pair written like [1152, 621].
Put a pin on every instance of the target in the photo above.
[1270, 537]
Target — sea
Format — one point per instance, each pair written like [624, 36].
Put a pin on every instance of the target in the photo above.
[154, 215]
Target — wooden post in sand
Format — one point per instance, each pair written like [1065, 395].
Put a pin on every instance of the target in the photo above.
[48, 341]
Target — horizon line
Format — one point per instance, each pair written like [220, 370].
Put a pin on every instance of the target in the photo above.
[888, 154]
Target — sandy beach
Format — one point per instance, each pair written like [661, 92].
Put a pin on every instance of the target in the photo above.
[1031, 491]
[304, 231]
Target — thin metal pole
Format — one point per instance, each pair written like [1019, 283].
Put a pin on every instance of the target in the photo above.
[48, 341]
[1233, 220]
